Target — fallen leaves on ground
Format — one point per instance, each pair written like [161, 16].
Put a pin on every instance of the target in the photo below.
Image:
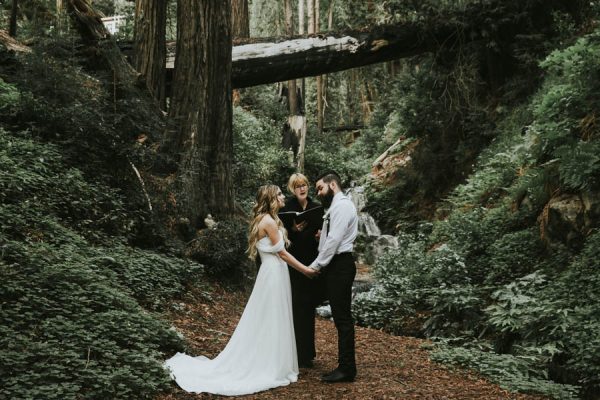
[389, 367]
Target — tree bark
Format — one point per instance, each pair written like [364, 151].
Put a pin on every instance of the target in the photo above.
[292, 91]
[319, 81]
[301, 28]
[59, 15]
[150, 45]
[12, 44]
[12, 30]
[296, 121]
[87, 21]
[301, 22]
[89, 24]
[201, 108]
[268, 62]
[240, 19]
[240, 28]
[310, 13]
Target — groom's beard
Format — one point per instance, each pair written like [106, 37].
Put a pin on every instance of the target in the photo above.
[327, 198]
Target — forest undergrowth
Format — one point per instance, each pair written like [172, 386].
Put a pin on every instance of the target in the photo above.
[495, 206]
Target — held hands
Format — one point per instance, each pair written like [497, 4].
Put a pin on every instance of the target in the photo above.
[310, 273]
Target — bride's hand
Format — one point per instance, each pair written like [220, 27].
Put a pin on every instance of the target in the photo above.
[311, 273]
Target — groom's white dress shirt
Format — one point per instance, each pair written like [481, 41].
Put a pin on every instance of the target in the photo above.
[340, 228]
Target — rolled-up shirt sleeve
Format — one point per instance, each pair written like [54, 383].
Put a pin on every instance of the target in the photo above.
[340, 218]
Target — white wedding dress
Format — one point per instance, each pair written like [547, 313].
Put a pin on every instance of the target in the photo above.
[261, 353]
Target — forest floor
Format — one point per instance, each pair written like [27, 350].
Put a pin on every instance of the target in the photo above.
[389, 367]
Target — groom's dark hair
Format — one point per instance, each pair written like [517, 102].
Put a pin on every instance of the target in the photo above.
[331, 176]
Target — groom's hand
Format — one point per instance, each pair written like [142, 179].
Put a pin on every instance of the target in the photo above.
[311, 272]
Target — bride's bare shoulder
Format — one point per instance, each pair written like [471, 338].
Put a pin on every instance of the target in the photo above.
[267, 221]
[266, 224]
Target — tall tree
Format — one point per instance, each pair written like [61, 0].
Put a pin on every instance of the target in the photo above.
[310, 13]
[289, 27]
[201, 108]
[150, 45]
[320, 80]
[12, 30]
[240, 19]
[59, 15]
[240, 29]
[301, 29]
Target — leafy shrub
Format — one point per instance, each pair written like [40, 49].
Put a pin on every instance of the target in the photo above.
[66, 328]
[564, 113]
[9, 97]
[94, 211]
[258, 155]
[93, 124]
[517, 373]
[550, 311]
[328, 152]
[514, 254]
[151, 278]
[496, 280]
[72, 324]
[410, 280]
[222, 249]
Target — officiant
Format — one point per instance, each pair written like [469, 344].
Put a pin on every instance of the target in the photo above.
[304, 246]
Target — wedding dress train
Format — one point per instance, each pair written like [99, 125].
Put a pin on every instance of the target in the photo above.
[261, 353]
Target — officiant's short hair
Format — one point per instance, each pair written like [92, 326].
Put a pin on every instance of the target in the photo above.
[296, 179]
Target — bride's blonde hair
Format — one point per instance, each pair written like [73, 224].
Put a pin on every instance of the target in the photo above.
[266, 204]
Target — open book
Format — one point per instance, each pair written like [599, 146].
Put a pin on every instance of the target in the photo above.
[314, 217]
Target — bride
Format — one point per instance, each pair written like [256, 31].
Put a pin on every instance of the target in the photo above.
[261, 353]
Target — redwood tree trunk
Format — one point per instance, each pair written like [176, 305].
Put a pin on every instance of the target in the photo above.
[150, 45]
[201, 109]
[320, 94]
[240, 20]
[59, 15]
[12, 30]
[292, 94]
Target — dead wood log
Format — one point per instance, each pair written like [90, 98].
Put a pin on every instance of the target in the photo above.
[89, 24]
[12, 44]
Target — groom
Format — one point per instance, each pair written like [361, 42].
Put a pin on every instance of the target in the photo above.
[340, 228]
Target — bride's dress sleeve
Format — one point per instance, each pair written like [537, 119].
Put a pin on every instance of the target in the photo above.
[271, 248]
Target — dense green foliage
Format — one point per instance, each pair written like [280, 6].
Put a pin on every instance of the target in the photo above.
[79, 305]
[259, 157]
[491, 132]
[72, 320]
[519, 305]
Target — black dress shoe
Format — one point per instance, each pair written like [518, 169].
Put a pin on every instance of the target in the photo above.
[329, 373]
[305, 364]
[337, 376]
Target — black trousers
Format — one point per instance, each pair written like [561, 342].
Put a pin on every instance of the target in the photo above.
[304, 293]
[338, 277]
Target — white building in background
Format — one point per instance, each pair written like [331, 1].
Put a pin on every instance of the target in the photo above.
[114, 22]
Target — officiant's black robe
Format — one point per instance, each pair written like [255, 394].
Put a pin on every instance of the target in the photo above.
[306, 293]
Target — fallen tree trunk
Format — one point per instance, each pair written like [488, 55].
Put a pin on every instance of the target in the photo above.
[12, 44]
[269, 60]
[89, 25]
[274, 60]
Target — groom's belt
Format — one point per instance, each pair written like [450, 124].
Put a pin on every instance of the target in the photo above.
[343, 253]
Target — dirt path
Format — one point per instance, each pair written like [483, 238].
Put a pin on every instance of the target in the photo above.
[389, 367]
